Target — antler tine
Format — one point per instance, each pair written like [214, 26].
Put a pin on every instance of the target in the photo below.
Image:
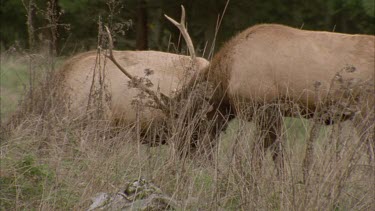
[182, 27]
[111, 57]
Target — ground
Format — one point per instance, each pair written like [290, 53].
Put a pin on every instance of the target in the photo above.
[58, 163]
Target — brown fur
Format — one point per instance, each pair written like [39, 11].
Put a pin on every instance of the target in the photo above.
[170, 72]
[272, 63]
[269, 61]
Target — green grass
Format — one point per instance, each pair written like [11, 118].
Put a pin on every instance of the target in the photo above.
[14, 76]
[27, 181]
[14, 79]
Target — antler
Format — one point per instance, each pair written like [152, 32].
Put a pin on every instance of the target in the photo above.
[182, 27]
[141, 86]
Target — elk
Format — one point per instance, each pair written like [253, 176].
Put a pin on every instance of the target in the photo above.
[151, 74]
[170, 71]
[284, 71]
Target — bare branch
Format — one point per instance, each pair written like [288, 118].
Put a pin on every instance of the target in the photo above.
[158, 101]
[182, 27]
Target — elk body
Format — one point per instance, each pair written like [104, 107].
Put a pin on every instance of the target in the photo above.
[284, 71]
[83, 74]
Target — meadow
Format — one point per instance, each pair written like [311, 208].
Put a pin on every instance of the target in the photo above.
[53, 161]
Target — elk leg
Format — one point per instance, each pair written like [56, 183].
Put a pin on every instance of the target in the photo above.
[270, 127]
[365, 129]
[273, 141]
[217, 121]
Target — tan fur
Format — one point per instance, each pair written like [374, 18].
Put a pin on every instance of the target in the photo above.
[170, 72]
[268, 62]
[275, 65]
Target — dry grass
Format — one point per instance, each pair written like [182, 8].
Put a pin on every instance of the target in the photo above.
[53, 161]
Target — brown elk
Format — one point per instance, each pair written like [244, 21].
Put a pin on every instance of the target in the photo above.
[169, 73]
[126, 75]
[301, 72]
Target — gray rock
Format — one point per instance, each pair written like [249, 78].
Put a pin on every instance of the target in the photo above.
[137, 195]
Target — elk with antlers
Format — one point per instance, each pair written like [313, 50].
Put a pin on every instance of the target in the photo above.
[168, 73]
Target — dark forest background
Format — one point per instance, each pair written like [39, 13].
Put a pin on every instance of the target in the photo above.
[140, 24]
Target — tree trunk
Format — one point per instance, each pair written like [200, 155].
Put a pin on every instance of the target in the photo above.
[53, 14]
[30, 10]
[142, 32]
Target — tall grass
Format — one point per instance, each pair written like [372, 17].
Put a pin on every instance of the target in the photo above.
[53, 161]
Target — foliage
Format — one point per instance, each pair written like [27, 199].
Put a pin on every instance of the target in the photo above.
[12, 12]
[369, 7]
[26, 183]
[348, 16]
